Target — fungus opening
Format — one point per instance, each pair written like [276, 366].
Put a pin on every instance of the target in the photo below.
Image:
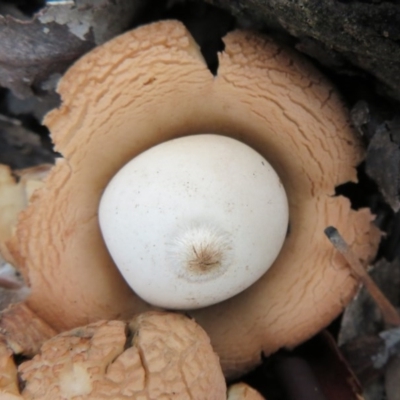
[201, 252]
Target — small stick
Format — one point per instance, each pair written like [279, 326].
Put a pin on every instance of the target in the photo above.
[59, 2]
[9, 284]
[9, 120]
[389, 312]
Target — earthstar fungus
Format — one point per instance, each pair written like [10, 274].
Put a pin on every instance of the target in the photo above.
[151, 85]
[155, 355]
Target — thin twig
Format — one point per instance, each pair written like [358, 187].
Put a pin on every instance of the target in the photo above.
[9, 284]
[9, 120]
[389, 312]
[60, 2]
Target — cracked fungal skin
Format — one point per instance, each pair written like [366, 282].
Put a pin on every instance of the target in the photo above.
[151, 85]
[8, 373]
[155, 356]
[241, 391]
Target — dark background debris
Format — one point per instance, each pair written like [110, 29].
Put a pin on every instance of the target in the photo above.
[348, 36]
[34, 49]
[362, 334]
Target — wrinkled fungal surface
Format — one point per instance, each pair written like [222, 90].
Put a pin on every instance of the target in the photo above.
[8, 373]
[155, 356]
[23, 330]
[241, 391]
[150, 85]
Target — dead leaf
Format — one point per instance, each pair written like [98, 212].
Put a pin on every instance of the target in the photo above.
[31, 51]
[20, 148]
[383, 161]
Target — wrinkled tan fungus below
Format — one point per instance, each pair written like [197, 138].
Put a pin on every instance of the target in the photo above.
[155, 356]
